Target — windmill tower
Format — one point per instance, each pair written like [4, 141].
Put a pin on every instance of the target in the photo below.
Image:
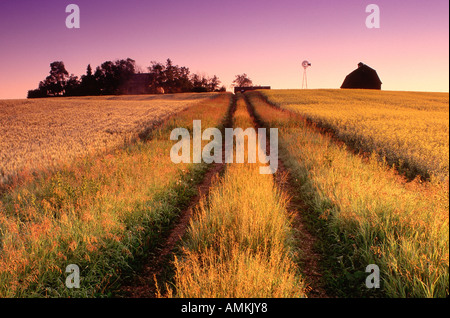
[305, 65]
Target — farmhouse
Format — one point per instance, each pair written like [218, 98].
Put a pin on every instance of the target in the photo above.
[363, 77]
[249, 88]
[138, 84]
[141, 83]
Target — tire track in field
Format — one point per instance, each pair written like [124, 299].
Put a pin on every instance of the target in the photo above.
[310, 258]
[144, 285]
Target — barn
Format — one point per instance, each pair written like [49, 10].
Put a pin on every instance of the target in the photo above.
[363, 77]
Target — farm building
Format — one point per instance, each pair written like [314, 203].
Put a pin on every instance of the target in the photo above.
[138, 84]
[363, 77]
[249, 88]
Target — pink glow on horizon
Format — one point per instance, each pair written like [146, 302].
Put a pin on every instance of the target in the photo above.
[265, 39]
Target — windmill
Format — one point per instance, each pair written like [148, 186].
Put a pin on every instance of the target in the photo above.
[305, 65]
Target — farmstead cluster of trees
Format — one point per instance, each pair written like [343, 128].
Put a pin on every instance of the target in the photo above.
[119, 77]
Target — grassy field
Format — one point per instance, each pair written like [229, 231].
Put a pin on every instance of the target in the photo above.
[105, 194]
[39, 134]
[240, 241]
[410, 129]
[99, 212]
[366, 212]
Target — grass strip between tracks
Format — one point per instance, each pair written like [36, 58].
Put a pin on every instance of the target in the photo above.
[240, 240]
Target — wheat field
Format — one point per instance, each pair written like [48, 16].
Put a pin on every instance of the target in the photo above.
[102, 212]
[409, 129]
[99, 212]
[39, 134]
[239, 243]
[374, 215]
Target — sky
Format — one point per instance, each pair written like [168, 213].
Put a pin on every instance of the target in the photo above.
[267, 40]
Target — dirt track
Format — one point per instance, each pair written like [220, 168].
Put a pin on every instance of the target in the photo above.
[144, 285]
[306, 241]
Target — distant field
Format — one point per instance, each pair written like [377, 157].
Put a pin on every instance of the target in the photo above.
[410, 129]
[41, 133]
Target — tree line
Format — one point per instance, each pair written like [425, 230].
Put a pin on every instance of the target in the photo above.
[118, 77]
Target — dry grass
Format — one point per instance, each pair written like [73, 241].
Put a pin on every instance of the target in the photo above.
[38, 134]
[375, 216]
[239, 243]
[98, 212]
[410, 129]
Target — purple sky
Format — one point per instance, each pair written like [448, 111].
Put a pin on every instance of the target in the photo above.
[265, 39]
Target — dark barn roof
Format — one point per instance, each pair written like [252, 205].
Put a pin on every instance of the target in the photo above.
[363, 77]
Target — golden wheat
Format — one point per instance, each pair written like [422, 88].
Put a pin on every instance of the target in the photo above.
[41, 133]
[97, 212]
[402, 227]
[408, 128]
[239, 242]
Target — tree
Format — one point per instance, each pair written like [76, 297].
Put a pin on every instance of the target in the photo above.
[89, 71]
[242, 80]
[213, 83]
[37, 93]
[124, 70]
[184, 82]
[55, 83]
[72, 87]
[104, 75]
[199, 83]
[111, 76]
[116, 77]
[88, 85]
[158, 75]
[172, 78]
